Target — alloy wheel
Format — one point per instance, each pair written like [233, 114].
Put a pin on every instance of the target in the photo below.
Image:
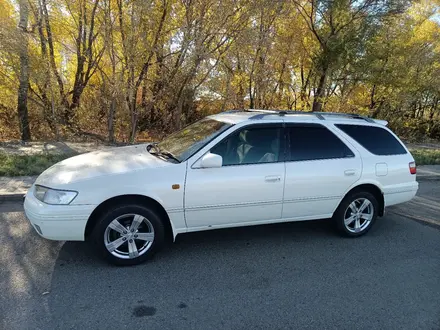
[358, 215]
[129, 236]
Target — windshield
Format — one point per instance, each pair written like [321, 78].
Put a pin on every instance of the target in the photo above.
[186, 142]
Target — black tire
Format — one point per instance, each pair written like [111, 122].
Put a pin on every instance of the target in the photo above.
[125, 211]
[345, 211]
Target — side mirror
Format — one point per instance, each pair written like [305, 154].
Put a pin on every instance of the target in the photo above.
[211, 160]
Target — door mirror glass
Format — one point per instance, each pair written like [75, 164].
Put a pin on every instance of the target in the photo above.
[211, 160]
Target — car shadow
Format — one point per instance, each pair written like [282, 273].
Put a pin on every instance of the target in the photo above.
[76, 281]
[187, 243]
[245, 259]
[218, 259]
[205, 276]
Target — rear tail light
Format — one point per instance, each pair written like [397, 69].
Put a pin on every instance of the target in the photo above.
[412, 168]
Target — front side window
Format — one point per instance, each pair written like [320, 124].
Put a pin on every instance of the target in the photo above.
[313, 142]
[251, 145]
[376, 140]
[186, 142]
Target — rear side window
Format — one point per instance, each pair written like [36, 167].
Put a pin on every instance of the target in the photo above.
[376, 140]
[313, 142]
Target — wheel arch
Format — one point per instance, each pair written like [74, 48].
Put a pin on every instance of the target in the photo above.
[130, 199]
[374, 190]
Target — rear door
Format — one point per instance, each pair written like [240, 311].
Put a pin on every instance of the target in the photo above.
[320, 168]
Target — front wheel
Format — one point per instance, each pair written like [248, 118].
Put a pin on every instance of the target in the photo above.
[129, 235]
[356, 214]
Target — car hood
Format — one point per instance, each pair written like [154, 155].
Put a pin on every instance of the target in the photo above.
[99, 163]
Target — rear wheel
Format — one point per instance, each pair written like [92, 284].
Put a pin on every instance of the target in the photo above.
[356, 214]
[129, 235]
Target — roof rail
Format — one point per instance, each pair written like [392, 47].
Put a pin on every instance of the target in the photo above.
[282, 113]
[319, 115]
[232, 111]
[350, 115]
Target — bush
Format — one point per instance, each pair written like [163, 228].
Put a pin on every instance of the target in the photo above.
[426, 156]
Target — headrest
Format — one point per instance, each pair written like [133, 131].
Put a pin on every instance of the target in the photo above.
[257, 137]
[243, 136]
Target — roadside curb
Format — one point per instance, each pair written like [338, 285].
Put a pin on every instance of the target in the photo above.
[421, 220]
[428, 178]
[11, 197]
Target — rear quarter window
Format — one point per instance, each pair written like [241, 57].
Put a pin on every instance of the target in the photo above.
[376, 140]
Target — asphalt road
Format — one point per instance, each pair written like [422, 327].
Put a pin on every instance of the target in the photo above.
[286, 276]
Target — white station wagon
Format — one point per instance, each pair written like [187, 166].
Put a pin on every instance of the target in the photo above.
[236, 168]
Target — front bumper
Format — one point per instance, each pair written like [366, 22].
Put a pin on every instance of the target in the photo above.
[57, 222]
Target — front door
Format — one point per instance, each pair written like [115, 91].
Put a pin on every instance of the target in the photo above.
[248, 188]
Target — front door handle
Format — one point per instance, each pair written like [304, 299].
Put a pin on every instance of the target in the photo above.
[272, 178]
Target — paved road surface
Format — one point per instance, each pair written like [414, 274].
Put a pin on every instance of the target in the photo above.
[425, 207]
[297, 275]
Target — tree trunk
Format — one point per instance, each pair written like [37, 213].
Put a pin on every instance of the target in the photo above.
[111, 120]
[320, 92]
[23, 87]
[48, 113]
[251, 98]
[304, 96]
[134, 116]
[178, 111]
[241, 90]
[372, 100]
[226, 96]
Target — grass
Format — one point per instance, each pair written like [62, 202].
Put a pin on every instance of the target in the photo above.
[18, 165]
[426, 156]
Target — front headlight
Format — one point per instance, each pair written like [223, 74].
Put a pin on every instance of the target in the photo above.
[53, 196]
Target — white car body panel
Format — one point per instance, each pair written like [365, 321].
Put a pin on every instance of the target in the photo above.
[210, 200]
[99, 176]
[397, 184]
[315, 188]
[98, 164]
[57, 222]
[229, 196]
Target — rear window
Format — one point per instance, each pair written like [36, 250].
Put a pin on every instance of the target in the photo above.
[376, 140]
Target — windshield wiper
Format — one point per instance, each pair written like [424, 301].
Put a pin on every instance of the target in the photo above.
[162, 153]
[169, 155]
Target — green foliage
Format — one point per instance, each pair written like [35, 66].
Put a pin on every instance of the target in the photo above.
[19, 165]
[426, 156]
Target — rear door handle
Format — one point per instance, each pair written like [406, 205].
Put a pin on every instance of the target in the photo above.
[272, 178]
[349, 172]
